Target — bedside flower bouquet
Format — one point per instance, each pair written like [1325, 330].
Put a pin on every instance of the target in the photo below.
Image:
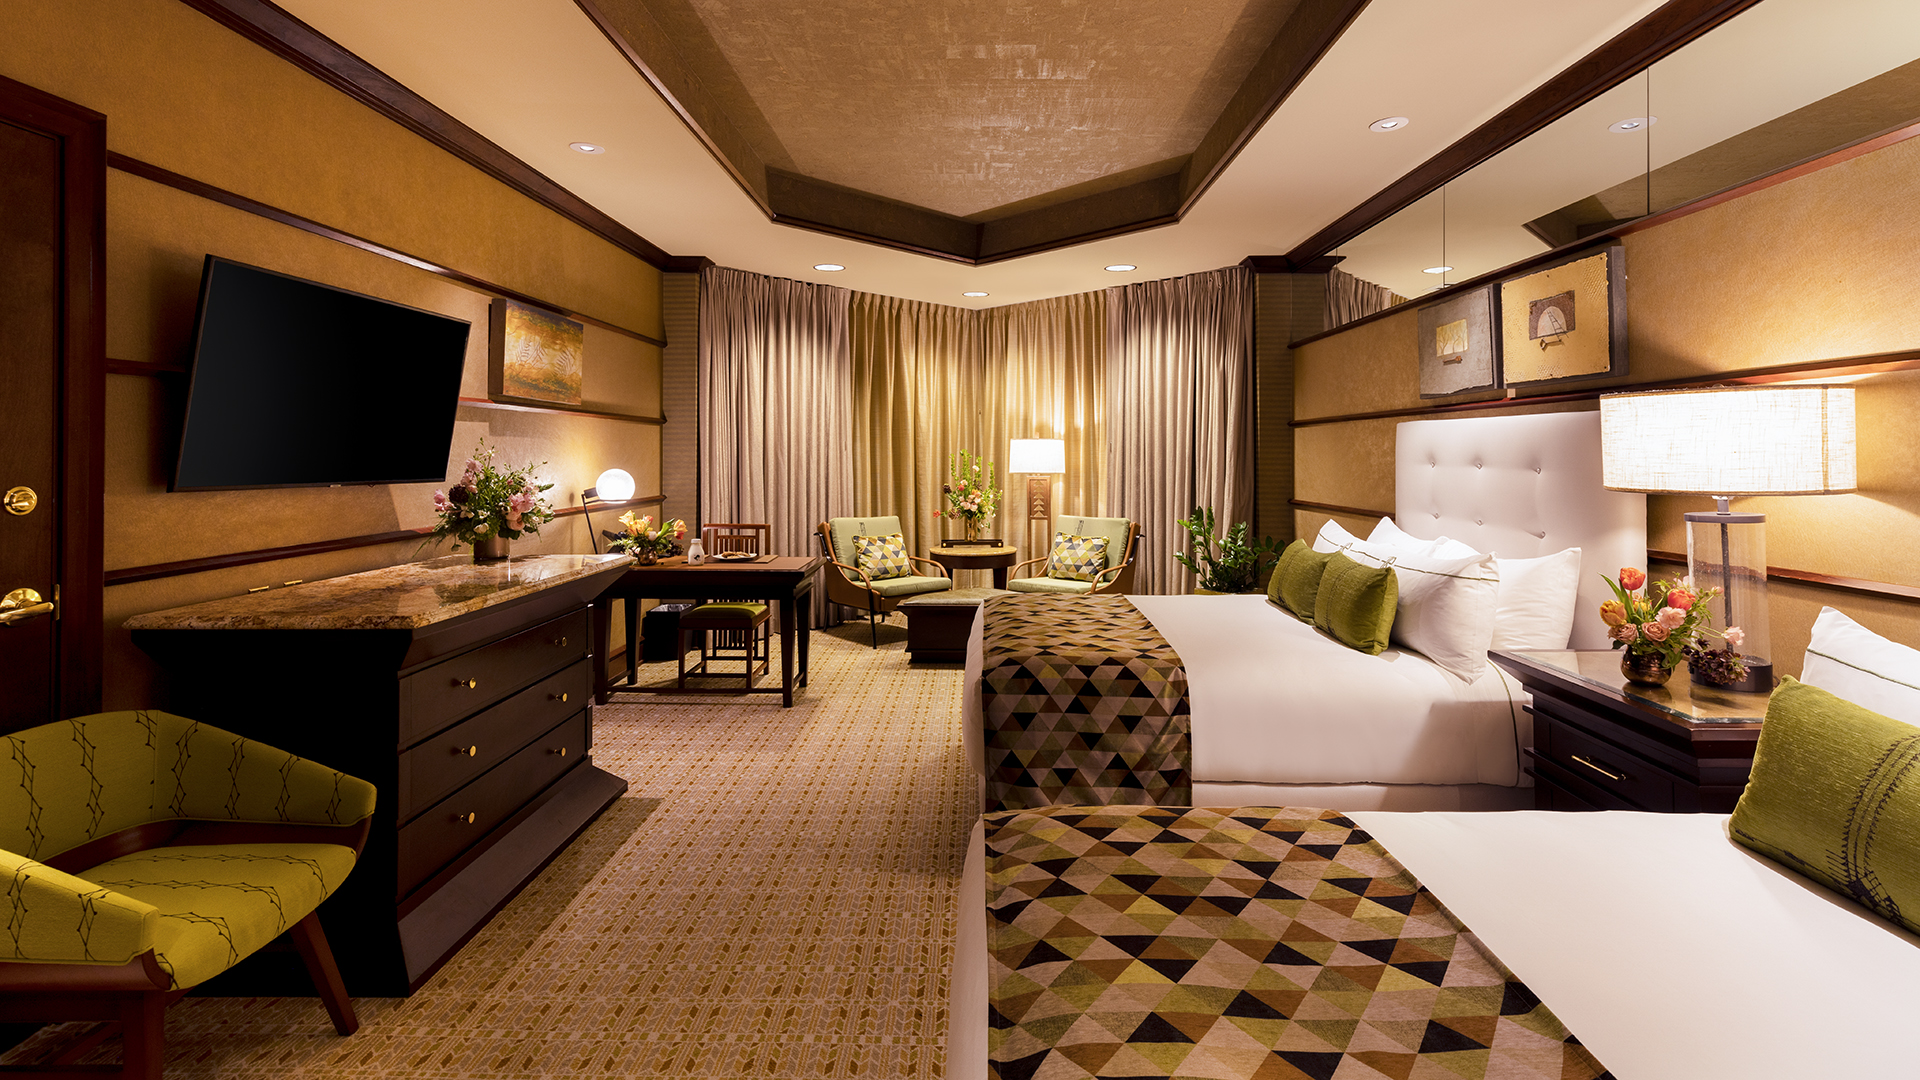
[490, 506]
[646, 541]
[970, 494]
[1665, 624]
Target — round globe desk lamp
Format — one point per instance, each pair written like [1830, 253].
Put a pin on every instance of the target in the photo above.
[1727, 442]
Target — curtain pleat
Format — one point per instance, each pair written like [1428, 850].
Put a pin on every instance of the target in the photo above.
[1350, 298]
[1180, 424]
[775, 390]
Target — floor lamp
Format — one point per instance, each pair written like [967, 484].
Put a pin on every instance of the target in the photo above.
[1726, 442]
[1040, 460]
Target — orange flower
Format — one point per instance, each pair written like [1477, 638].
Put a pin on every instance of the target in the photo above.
[1681, 598]
[1631, 579]
[1613, 613]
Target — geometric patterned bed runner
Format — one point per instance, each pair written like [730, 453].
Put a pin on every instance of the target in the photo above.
[1131, 941]
[1084, 703]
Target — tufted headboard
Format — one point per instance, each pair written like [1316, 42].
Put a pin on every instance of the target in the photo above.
[1521, 487]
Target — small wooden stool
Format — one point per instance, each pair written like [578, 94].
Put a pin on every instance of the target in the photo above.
[747, 620]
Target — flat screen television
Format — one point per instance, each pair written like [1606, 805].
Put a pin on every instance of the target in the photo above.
[299, 384]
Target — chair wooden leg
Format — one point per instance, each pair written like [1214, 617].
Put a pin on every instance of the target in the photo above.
[873, 625]
[680, 643]
[311, 942]
[143, 1034]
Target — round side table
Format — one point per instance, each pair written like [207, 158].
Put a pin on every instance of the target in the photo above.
[996, 559]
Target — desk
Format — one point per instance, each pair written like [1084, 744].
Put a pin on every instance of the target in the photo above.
[786, 580]
[973, 557]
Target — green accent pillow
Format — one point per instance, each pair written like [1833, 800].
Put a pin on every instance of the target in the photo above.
[881, 557]
[1296, 580]
[1077, 558]
[1355, 603]
[1835, 795]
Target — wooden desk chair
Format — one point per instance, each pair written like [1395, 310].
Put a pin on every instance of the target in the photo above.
[732, 625]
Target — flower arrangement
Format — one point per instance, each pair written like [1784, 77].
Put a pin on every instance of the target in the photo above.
[1669, 623]
[490, 502]
[969, 490]
[646, 541]
[1236, 568]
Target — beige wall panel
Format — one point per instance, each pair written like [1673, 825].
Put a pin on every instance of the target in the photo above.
[1369, 368]
[1818, 267]
[186, 94]
[1348, 464]
[1307, 523]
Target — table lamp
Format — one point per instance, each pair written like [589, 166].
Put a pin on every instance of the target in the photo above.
[614, 486]
[1726, 442]
[1039, 459]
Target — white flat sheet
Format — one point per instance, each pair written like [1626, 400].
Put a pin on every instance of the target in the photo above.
[1672, 952]
[1276, 702]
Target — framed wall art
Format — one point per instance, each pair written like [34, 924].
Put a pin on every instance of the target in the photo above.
[534, 355]
[1567, 321]
[1459, 346]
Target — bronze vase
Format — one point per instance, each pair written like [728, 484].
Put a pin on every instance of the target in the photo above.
[491, 549]
[1646, 669]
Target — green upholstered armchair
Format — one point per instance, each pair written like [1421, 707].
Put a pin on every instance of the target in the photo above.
[145, 853]
[1123, 542]
[847, 584]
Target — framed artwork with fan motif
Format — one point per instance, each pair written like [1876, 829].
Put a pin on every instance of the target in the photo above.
[1565, 322]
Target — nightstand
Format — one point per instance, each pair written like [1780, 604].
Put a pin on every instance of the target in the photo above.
[1602, 743]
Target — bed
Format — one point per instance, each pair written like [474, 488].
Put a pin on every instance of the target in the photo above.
[1248, 705]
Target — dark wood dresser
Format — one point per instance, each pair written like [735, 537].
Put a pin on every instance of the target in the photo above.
[1602, 743]
[462, 691]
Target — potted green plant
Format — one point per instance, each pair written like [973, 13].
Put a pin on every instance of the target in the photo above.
[1226, 564]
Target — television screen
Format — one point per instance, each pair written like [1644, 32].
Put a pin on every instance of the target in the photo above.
[299, 384]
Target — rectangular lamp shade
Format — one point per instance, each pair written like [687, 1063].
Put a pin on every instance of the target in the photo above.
[1037, 456]
[1725, 441]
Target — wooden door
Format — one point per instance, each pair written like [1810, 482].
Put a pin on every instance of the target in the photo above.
[52, 199]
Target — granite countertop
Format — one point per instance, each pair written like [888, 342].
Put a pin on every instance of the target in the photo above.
[404, 597]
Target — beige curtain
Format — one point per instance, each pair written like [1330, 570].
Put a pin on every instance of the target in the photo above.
[1180, 418]
[1350, 298]
[929, 380]
[775, 443]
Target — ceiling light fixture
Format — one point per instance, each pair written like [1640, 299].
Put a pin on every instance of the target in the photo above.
[973, 294]
[588, 148]
[1632, 124]
[1121, 268]
[1436, 269]
[829, 267]
[1389, 123]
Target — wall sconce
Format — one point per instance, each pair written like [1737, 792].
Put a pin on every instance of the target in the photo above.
[1726, 442]
[1040, 459]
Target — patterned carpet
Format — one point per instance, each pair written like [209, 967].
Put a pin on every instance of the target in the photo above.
[775, 898]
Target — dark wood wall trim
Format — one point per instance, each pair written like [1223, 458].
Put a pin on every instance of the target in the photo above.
[129, 575]
[147, 171]
[1345, 511]
[1876, 364]
[287, 37]
[572, 410]
[1881, 589]
[1661, 33]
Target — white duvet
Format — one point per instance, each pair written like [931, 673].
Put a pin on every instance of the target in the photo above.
[1275, 701]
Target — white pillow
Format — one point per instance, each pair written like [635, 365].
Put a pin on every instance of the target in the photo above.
[1386, 540]
[1850, 661]
[1446, 606]
[1538, 598]
[1388, 533]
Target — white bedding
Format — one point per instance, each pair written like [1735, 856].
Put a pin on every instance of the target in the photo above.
[1276, 702]
[1673, 953]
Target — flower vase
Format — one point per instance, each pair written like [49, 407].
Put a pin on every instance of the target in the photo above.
[1645, 669]
[491, 549]
[646, 558]
[971, 527]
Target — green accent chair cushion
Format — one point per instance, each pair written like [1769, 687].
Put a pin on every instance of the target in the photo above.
[1077, 558]
[724, 615]
[842, 530]
[1295, 583]
[1356, 603]
[910, 585]
[214, 904]
[1835, 795]
[1114, 529]
[1050, 585]
[882, 557]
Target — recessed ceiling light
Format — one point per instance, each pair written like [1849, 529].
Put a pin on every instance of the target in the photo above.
[1121, 268]
[829, 267]
[588, 147]
[1389, 123]
[1632, 124]
[1436, 269]
[973, 294]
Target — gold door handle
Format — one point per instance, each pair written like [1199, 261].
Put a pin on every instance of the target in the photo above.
[1598, 769]
[21, 605]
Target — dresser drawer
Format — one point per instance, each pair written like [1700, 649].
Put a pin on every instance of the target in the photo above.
[439, 835]
[1607, 768]
[454, 756]
[434, 697]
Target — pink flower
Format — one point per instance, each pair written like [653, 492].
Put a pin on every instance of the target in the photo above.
[1627, 632]
[520, 502]
[1670, 618]
[1653, 631]
[1681, 598]
[1735, 636]
[440, 502]
[471, 474]
[513, 520]
[1631, 579]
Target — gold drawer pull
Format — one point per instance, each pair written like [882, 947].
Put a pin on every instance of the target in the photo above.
[562, 696]
[470, 751]
[561, 751]
[562, 643]
[463, 819]
[470, 684]
[1598, 769]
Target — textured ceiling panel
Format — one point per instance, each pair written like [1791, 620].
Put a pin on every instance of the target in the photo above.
[973, 105]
